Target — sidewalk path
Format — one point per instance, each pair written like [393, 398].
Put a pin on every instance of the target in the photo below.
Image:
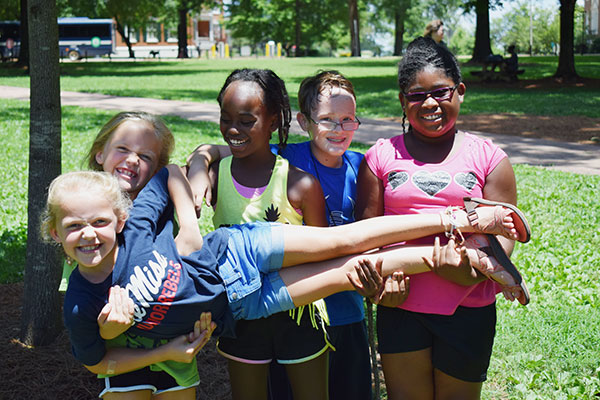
[569, 157]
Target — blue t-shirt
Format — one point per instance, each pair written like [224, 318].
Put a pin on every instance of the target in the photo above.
[169, 291]
[339, 188]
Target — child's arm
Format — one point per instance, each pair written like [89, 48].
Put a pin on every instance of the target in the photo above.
[198, 164]
[189, 238]
[305, 193]
[119, 360]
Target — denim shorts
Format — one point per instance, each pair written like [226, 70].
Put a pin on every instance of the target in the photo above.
[250, 271]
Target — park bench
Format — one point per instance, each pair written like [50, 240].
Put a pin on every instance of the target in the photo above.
[490, 75]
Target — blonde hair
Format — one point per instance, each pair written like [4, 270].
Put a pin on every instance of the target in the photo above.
[433, 26]
[163, 134]
[313, 86]
[63, 186]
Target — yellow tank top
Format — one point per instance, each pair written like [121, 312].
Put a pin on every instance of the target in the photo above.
[272, 205]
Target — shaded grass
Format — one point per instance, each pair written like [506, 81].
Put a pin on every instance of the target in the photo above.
[374, 80]
[547, 350]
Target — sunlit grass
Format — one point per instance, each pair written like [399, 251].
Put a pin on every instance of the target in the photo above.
[374, 79]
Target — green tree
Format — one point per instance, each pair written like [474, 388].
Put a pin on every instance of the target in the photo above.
[566, 56]
[41, 319]
[482, 47]
[513, 28]
[179, 10]
[290, 22]
[10, 10]
[354, 22]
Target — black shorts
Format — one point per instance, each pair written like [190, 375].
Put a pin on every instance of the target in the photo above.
[461, 343]
[277, 337]
[350, 363]
[142, 379]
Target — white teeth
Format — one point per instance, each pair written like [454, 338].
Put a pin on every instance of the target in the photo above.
[430, 117]
[126, 173]
[90, 247]
[236, 142]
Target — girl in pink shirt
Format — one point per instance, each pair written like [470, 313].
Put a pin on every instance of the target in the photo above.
[438, 343]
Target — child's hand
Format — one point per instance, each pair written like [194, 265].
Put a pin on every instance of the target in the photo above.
[201, 188]
[452, 263]
[187, 243]
[197, 174]
[185, 348]
[370, 282]
[395, 290]
[117, 315]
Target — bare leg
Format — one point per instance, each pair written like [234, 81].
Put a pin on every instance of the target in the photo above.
[309, 282]
[449, 388]
[304, 244]
[248, 381]
[135, 395]
[309, 379]
[186, 394]
[408, 376]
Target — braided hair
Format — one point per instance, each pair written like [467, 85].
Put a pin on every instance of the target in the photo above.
[275, 99]
[424, 52]
[421, 53]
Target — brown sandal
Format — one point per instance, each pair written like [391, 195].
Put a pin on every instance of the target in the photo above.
[519, 220]
[504, 273]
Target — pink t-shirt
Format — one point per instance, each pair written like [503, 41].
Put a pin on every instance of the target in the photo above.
[414, 187]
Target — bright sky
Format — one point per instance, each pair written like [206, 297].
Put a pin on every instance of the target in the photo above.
[547, 4]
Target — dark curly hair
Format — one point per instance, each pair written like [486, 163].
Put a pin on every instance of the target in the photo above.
[275, 95]
[425, 52]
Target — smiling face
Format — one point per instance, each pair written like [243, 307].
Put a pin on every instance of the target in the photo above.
[87, 227]
[432, 118]
[131, 154]
[328, 146]
[245, 122]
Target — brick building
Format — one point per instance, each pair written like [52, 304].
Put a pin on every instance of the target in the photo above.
[203, 31]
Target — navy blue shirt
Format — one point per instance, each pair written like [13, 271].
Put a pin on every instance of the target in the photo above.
[169, 291]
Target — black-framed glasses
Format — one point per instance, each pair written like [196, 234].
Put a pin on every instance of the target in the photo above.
[441, 94]
[331, 125]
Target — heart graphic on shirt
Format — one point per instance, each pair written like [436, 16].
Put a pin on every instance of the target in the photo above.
[431, 182]
[468, 180]
[397, 178]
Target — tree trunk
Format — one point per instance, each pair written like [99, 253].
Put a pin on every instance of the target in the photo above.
[354, 28]
[566, 56]
[399, 18]
[182, 34]
[24, 46]
[125, 36]
[298, 28]
[482, 32]
[41, 319]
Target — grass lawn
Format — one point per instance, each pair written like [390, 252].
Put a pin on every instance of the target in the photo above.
[374, 80]
[547, 350]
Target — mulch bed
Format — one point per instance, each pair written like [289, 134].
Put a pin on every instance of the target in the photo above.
[51, 372]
